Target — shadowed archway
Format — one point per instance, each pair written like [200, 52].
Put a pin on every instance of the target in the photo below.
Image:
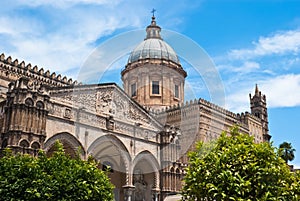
[71, 145]
[113, 155]
[145, 176]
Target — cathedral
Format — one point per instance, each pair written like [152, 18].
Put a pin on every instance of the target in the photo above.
[141, 131]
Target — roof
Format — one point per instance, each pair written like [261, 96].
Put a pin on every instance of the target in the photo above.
[153, 47]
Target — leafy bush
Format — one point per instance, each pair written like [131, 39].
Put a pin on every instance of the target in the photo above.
[235, 168]
[23, 177]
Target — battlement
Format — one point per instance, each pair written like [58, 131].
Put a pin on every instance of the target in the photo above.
[174, 107]
[20, 69]
[242, 116]
[217, 108]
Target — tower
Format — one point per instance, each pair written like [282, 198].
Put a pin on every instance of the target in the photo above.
[258, 107]
[153, 75]
[25, 113]
[170, 177]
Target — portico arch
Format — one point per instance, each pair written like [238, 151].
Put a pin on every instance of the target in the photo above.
[71, 144]
[109, 150]
[145, 176]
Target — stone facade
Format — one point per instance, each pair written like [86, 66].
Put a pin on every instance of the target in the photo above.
[142, 134]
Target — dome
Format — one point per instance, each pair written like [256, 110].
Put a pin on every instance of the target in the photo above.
[153, 48]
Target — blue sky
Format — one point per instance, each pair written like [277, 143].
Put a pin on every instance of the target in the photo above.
[249, 41]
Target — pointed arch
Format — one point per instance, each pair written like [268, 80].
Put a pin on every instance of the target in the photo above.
[70, 142]
[110, 150]
[24, 143]
[101, 146]
[147, 157]
[35, 145]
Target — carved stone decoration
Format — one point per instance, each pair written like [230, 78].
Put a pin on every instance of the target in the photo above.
[68, 113]
[136, 115]
[125, 128]
[36, 86]
[121, 105]
[110, 123]
[103, 101]
[55, 109]
[85, 99]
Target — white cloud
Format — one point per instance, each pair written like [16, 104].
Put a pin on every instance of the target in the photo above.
[279, 43]
[280, 91]
[245, 67]
[62, 47]
[248, 66]
[60, 35]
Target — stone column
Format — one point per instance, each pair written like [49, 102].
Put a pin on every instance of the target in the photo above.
[128, 191]
[155, 193]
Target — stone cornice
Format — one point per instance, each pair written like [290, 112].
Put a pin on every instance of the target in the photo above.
[163, 62]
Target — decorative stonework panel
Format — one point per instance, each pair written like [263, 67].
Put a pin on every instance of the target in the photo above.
[103, 100]
[136, 115]
[85, 100]
[120, 104]
[55, 110]
[68, 113]
[112, 102]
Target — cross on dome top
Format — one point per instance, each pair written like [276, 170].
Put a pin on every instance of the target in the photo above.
[153, 11]
[153, 31]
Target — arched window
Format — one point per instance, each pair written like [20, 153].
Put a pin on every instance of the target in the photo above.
[40, 105]
[24, 144]
[35, 145]
[29, 102]
[4, 143]
[172, 179]
[178, 179]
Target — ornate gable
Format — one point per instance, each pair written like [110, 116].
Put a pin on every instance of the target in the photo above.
[105, 100]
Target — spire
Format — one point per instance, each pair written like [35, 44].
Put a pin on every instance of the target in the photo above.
[256, 90]
[153, 31]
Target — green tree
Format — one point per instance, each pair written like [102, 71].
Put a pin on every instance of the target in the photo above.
[235, 168]
[23, 177]
[287, 151]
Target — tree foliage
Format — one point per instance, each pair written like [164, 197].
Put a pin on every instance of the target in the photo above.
[23, 177]
[287, 151]
[235, 168]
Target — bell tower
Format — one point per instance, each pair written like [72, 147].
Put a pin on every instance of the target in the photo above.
[258, 105]
[153, 75]
[24, 125]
